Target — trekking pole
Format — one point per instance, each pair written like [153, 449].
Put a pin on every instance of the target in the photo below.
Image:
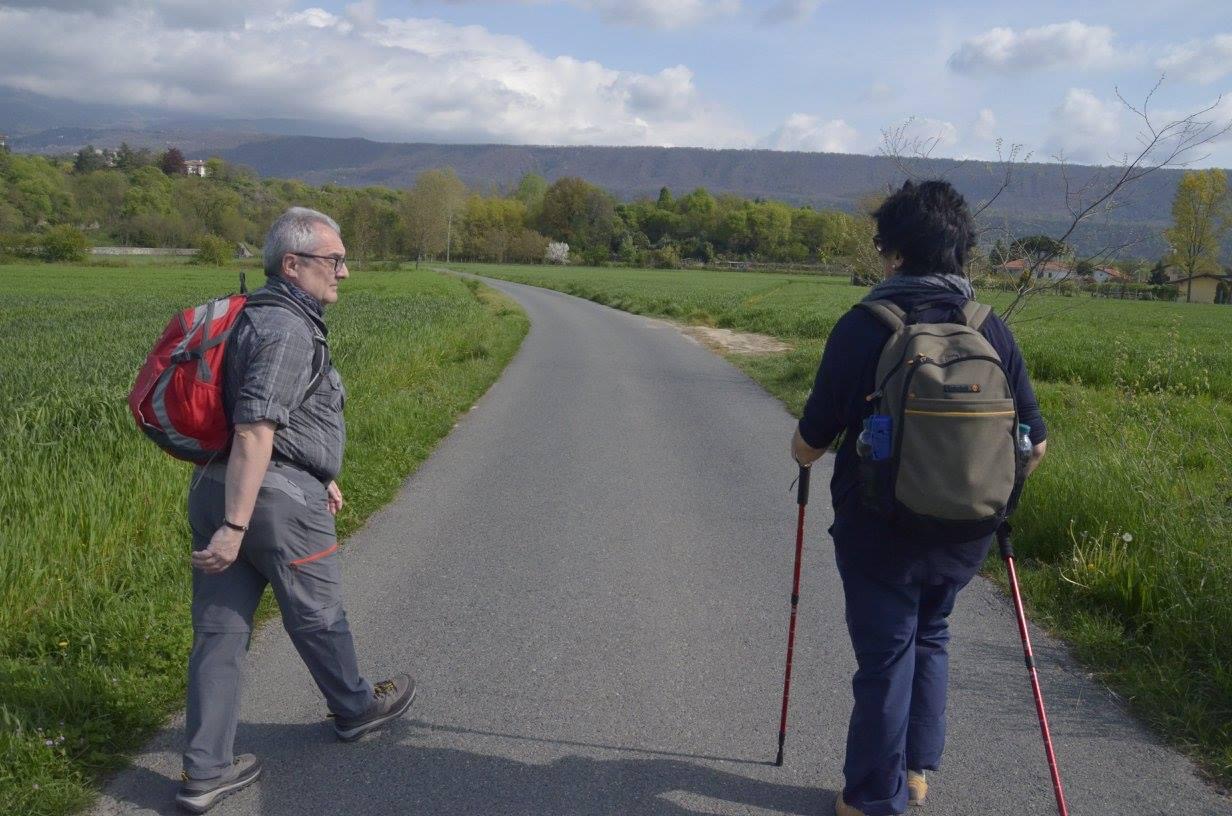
[1007, 553]
[801, 500]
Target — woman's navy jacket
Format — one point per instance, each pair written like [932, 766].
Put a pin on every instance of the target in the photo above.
[837, 403]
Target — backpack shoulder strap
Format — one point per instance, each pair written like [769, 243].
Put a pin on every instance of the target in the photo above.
[887, 311]
[320, 356]
[975, 314]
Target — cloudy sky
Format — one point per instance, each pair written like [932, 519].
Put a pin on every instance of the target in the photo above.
[828, 75]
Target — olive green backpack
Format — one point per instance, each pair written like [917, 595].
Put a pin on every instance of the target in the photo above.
[953, 467]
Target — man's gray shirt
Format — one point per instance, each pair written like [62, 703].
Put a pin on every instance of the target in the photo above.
[268, 368]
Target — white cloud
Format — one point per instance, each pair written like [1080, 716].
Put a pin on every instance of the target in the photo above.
[789, 11]
[648, 13]
[1198, 60]
[177, 13]
[878, 92]
[922, 135]
[812, 133]
[403, 78]
[1061, 45]
[1087, 129]
[660, 13]
[985, 127]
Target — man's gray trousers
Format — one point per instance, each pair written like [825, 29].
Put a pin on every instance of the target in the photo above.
[291, 544]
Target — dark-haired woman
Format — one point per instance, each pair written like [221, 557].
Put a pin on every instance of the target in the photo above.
[899, 589]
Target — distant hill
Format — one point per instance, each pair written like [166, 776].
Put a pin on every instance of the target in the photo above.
[1035, 202]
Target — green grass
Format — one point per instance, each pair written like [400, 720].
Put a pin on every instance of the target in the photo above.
[1123, 536]
[94, 577]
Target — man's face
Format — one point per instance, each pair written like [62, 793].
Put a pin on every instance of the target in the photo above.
[316, 275]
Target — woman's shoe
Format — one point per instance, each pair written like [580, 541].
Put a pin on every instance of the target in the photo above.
[841, 808]
[917, 788]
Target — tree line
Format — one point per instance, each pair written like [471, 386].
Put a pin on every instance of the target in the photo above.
[136, 197]
[141, 198]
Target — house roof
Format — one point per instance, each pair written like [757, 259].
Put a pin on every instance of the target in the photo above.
[1225, 277]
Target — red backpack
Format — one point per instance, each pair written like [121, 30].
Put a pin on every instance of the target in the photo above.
[177, 399]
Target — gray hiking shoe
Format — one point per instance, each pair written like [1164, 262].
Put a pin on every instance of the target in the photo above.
[199, 795]
[390, 700]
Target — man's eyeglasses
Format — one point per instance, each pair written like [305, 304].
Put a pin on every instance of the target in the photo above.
[337, 261]
[877, 245]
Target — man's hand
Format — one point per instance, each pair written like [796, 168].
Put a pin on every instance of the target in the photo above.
[802, 452]
[224, 548]
[333, 498]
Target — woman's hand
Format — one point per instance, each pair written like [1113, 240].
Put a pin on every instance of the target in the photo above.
[804, 454]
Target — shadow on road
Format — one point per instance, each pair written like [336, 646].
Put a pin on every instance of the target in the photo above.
[454, 729]
[307, 771]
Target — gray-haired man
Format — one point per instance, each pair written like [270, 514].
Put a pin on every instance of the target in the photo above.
[266, 514]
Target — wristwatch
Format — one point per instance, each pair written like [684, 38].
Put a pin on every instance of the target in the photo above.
[243, 528]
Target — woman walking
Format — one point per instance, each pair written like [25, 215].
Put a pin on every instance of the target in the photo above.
[900, 583]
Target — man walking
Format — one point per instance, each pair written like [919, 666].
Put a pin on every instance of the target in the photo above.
[265, 515]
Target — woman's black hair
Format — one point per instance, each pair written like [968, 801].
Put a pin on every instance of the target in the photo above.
[929, 225]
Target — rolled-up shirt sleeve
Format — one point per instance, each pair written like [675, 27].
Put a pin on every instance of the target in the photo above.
[279, 369]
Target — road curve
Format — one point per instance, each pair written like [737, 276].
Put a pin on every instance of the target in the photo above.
[590, 579]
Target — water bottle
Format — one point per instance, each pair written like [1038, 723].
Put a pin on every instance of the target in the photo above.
[864, 444]
[1022, 450]
[1023, 442]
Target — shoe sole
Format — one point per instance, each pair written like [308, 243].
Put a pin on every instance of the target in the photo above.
[352, 734]
[200, 803]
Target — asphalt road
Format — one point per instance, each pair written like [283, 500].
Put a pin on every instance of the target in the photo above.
[590, 580]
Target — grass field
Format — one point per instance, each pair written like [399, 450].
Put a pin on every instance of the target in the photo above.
[94, 579]
[1124, 532]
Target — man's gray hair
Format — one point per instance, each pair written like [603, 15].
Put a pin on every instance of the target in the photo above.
[294, 231]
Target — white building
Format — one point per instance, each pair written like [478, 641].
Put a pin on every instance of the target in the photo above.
[195, 167]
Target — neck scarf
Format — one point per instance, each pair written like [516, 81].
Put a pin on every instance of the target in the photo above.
[286, 287]
[922, 285]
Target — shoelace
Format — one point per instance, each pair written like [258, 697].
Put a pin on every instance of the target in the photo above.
[379, 690]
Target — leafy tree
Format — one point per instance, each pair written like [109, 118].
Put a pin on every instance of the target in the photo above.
[127, 159]
[665, 202]
[214, 251]
[1201, 216]
[1041, 247]
[429, 210]
[172, 162]
[100, 196]
[149, 193]
[64, 244]
[530, 191]
[492, 225]
[1159, 274]
[527, 246]
[579, 214]
[88, 160]
[38, 189]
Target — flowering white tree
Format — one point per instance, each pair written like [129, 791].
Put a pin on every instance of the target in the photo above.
[557, 253]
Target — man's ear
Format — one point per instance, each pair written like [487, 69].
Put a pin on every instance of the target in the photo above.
[290, 266]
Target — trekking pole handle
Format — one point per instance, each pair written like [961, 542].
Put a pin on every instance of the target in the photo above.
[802, 485]
[1003, 540]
